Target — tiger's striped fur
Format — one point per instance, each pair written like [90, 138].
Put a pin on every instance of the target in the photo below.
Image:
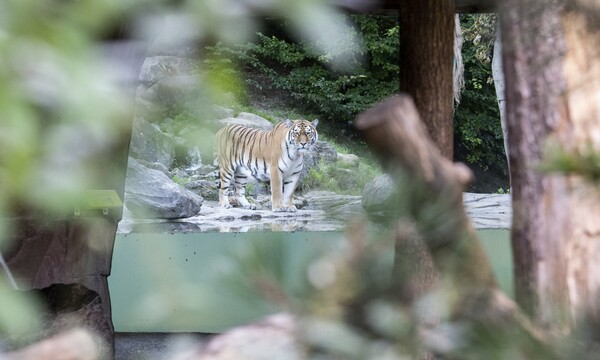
[276, 155]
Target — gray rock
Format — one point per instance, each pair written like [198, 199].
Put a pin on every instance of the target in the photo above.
[260, 121]
[157, 68]
[151, 194]
[322, 150]
[155, 166]
[347, 160]
[251, 121]
[319, 151]
[378, 193]
[171, 90]
[151, 145]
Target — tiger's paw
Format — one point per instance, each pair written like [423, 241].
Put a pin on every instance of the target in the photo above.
[250, 207]
[226, 205]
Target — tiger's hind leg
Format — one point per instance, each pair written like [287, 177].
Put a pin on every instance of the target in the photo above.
[225, 177]
[241, 178]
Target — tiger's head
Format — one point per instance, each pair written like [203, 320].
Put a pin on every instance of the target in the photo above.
[302, 134]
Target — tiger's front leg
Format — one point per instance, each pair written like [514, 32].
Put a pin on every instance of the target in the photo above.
[282, 191]
[277, 190]
[289, 186]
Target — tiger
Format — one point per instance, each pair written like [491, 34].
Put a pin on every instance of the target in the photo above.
[275, 156]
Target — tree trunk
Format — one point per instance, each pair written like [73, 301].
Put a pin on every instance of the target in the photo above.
[549, 98]
[426, 51]
[582, 125]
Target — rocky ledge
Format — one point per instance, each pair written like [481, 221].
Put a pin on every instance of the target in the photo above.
[322, 211]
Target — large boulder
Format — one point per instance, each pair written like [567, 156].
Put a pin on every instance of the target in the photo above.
[150, 144]
[151, 194]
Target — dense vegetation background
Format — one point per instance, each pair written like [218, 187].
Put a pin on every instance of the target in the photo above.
[279, 72]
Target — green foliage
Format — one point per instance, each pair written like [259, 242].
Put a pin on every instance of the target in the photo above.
[477, 129]
[339, 178]
[480, 31]
[317, 83]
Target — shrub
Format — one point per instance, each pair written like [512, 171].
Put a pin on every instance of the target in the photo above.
[314, 83]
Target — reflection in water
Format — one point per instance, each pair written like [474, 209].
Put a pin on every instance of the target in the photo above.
[232, 224]
[213, 218]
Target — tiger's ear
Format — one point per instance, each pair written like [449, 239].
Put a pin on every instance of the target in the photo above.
[288, 123]
[315, 122]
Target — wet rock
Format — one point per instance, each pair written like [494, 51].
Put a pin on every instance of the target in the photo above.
[151, 194]
[264, 202]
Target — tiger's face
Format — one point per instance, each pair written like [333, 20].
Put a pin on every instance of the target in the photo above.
[302, 134]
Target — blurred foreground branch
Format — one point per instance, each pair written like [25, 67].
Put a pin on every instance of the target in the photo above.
[395, 133]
